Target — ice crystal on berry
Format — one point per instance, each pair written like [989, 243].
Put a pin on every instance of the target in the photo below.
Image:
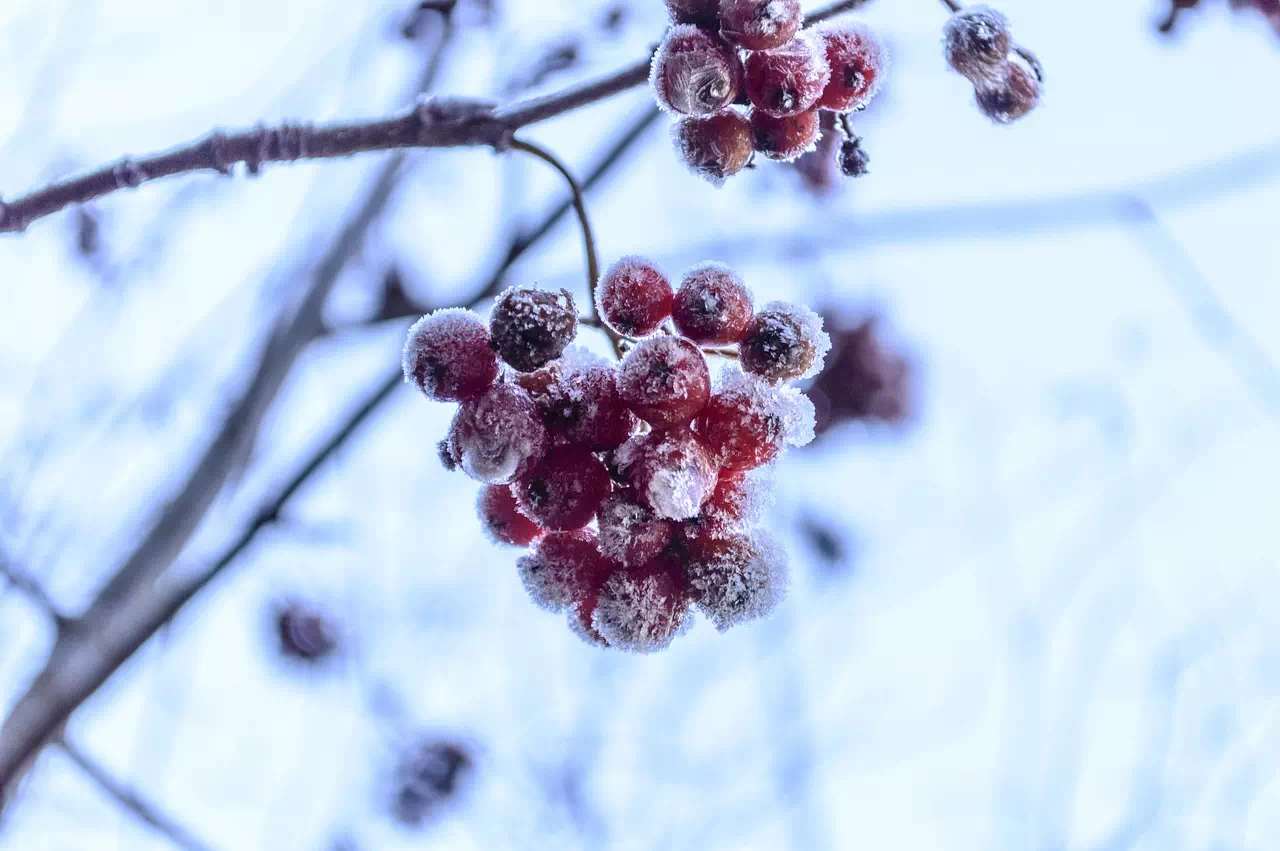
[499, 436]
[790, 79]
[695, 72]
[531, 327]
[447, 355]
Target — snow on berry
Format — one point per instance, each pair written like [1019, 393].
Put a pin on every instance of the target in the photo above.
[531, 327]
[787, 138]
[498, 436]
[738, 579]
[564, 569]
[747, 421]
[760, 24]
[564, 490]
[630, 533]
[704, 13]
[665, 381]
[1013, 92]
[581, 618]
[976, 41]
[695, 72]
[790, 79]
[857, 58]
[672, 471]
[643, 611]
[634, 297]
[714, 147]
[501, 519]
[447, 355]
[712, 306]
[784, 341]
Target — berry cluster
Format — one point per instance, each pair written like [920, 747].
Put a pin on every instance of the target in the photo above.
[1006, 78]
[638, 484]
[722, 53]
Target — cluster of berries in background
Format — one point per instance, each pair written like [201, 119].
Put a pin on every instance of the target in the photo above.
[721, 54]
[1269, 9]
[638, 485]
[1006, 78]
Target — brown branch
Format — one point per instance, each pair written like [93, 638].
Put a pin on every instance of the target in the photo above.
[435, 123]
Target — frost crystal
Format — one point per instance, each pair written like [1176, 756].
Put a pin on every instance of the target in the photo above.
[531, 327]
[499, 436]
[562, 569]
[786, 406]
[641, 614]
[446, 355]
[740, 583]
[694, 72]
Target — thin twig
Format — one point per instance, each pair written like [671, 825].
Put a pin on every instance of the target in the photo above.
[952, 5]
[131, 801]
[32, 590]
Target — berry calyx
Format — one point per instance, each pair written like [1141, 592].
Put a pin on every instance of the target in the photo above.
[712, 306]
[633, 296]
[783, 342]
[857, 59]
[501, 519]
[695, 72]
[672, 472]
[976, 41]
[498, 436]
[564, 490]
[564, 569]
[760, 24]
[530, 327]
[787, 138]
[664, 381]
[715, 147]
[447, 356]
[790, 79]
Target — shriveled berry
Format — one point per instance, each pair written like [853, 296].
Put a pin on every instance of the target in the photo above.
[976, 41]
[501, 519]
[498, 436]
[630, 533]
[704, 13]
[737, 578]
[787, 138]
[306, 634]
[715, 147]
[565, 489]
[1012, 93]
[760, 24]
[531, 327]
[563, 569]
[427, 778]
[784, 341]
[665, 381]
[857, 58]
[643, 610]
[853, 160]
[712, 306]
[866, 379]
[633, 296]
[447, 356]
[672, 471]
[790, 79]
[695, 72]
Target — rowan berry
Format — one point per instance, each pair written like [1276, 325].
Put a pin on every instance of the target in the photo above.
[857, 58]
[447, 356]
[783, 342]
[665, 381]
[760, 24]
[712, 305]
[633, 296]
[530, 327]
[564, 490]
[715, 147]
[790, 79]
[501, 518]
[786, 138]
[498, 436]
[695, 72]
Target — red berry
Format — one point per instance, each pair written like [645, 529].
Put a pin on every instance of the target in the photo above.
[502, 521]
[499, 436]
[447, 356]
[665, 381]
[630, 533]
[532, 327]
[747, 421]
[582, 406]
[565, 489]
[643, 610]
[564, 568]
[672, 471]
[715, 147]
[695, 72]
[738, 501]
[785, 138]
[704, 13]
[1013, 92]
[634, 297]
[784, 341]
[790, 79]
[737, 578]
[976, 42]
[857, 59]
[760, 24]
[712, 306]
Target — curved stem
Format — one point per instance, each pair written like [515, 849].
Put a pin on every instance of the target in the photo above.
[952, 5]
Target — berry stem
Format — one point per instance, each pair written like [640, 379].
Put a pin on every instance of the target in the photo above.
[952, 5]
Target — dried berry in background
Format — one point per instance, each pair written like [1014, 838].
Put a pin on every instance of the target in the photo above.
[975, 42]
[864, 380]
[305, 633]
[429, 776]
[1012, 92]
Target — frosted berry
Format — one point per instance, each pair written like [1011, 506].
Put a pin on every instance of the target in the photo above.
[665, 381]
[1013, 92]
[784, 341]
[502, 521]
[790, 79]
[634, 297]
[448, 454]
[531, 327]
[447, 356]
[498, 436]
[672, 471]
[760, 24]
[741, 428]
[642, 611]
[695, 72]
[581, 617]
[582, 406]
[704, 13]
[737, 578]
[976, 42]
[563, 569]
[715, 147]
[712, 306]
[630, 533]
[785, 138]
[564, 490]
[857, 59]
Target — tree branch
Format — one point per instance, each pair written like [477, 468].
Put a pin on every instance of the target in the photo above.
[434, 123]
[31, 589]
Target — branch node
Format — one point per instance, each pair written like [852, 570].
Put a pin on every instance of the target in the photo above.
[463, 121]
[218, 158]
[128, 174]
[10, 222]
